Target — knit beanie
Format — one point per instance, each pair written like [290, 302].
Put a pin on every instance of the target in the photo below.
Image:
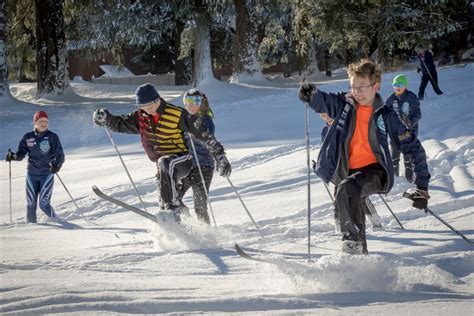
[400, 81]
[39, 115]
[146, 94]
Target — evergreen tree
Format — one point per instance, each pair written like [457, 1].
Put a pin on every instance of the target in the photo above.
[246, 67]
[4, 90]
[51, 51]
[21, 40]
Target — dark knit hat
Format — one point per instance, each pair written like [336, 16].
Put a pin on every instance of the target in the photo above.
[146, 94]
[39, 115]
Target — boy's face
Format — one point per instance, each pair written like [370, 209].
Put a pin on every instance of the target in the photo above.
[150, 109]
[399, 90]
[41, 125]
[363, 90]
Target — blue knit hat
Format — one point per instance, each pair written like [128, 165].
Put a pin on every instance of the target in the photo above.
[146, 94]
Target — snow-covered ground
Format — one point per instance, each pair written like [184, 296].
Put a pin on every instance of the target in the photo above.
[108, 260]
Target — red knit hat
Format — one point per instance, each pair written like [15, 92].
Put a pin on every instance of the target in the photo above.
[39, 115]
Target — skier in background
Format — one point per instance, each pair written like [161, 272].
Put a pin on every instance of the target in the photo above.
[406, 105]
[45, 158]
[428, 72]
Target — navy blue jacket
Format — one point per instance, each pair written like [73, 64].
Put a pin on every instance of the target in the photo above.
[427, 64]
[333, 159]
[407, 107]
[43, 149]
[203, 154]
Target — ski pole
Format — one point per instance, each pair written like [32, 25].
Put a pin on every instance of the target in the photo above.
[306, 117]
[202, 179]
[10, 187]
[328, 191]
[125, 167]
[386, 204]
[407, 195]
[243, 204]
[65, 188]
[74, 201]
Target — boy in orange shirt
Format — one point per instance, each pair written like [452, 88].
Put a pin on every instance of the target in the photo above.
[355, 155]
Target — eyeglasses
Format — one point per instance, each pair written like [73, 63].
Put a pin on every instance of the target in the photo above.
[361, 89]
[192, 100]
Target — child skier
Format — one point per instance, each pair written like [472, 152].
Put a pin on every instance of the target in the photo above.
[197, 104]
[45, 158]
[405, 103]
[354, 155]
[162, 127]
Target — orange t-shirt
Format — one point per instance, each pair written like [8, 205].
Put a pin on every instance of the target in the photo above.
[360, 153]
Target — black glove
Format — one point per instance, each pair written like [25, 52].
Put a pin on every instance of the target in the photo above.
[100, 117]
[223, 165]
[306, 92]
[315, 165]
[420, 199]
[418, 70]
[10, 156]
[54, 168]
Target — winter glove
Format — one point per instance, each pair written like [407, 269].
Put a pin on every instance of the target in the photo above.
[54, 168]
[100, 117]
[418, 70]
[315, 165]
[306, 92]
[223, 165]
[10, 156]
[420, 199]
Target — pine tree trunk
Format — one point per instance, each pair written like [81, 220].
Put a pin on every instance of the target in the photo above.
[3, 51]
[246, 64]
[202, 46]
[180, 68]
[51, 50]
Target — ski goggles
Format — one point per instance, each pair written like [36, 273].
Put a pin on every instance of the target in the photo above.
[193, 100]
[398, 85]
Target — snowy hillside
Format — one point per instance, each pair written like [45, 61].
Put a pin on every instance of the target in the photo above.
[108, 260]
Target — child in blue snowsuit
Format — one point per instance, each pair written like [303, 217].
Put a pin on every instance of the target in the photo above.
[45, 158]
[405, 103]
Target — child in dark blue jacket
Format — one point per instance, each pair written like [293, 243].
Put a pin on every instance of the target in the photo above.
[45, 158]
[197, 104]
[355, 153]
[405, 103]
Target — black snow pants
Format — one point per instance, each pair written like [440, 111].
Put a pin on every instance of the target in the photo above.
[171, 169]
[350, 200]
[199, 194]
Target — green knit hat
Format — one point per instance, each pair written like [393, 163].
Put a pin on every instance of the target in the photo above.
[400, 81]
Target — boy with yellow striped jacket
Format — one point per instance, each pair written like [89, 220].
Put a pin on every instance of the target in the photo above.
[162, 127]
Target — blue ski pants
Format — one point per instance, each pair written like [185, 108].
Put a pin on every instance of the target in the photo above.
[39, 188]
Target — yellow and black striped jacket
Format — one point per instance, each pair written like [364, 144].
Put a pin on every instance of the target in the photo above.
[166, 136]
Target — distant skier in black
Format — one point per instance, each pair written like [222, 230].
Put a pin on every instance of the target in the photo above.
[45, 158]
[162, 127]
[428, 72]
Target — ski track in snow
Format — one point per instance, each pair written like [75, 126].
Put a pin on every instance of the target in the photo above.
[122, 263]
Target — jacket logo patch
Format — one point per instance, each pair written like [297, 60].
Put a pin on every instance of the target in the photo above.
[406, 108]
[30, 142]
[381, 124]
[44, 146]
